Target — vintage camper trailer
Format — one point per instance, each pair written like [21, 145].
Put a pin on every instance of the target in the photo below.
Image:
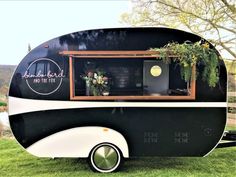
[102, 94]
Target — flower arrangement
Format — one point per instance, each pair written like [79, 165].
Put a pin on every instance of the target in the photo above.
[189, 54]
[97, 83]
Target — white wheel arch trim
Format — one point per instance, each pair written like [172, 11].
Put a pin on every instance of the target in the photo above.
[78, 142]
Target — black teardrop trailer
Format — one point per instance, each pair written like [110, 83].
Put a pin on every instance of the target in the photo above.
[102, 94]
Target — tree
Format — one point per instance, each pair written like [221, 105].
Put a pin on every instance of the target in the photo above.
[211, 19]
[29, 48]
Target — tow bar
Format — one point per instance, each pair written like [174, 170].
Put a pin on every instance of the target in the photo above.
[229, 139]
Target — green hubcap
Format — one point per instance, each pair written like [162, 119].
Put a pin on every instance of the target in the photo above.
[105, 157]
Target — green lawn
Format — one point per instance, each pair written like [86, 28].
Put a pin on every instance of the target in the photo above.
[14, 161]
[3, 104]
[230, 128]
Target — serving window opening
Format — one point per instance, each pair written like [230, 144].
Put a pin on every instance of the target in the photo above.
[121, 76]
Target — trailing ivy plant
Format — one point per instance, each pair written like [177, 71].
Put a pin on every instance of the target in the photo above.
[189, 54]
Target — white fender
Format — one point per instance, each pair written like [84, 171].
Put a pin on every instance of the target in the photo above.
[77, 142]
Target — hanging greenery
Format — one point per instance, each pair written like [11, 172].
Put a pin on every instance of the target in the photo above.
[189, 54]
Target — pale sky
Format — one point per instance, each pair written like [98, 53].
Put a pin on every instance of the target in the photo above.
[34, 22]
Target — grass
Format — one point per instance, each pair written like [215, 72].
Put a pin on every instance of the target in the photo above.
[232, 127]
[14, 161]
[232, 99]
[3, 104]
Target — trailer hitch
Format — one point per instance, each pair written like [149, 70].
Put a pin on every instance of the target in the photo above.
[228, 139]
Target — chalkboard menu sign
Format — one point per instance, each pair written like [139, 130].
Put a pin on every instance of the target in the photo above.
[121, 76]
[126, 76]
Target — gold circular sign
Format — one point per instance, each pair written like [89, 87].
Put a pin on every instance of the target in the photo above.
[156, 71]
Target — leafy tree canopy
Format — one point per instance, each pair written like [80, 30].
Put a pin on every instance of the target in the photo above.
[212, 19]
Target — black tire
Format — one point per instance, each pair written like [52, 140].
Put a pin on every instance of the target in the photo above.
[105, 158]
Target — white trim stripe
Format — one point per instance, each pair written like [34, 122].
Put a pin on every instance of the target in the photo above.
[22, 105]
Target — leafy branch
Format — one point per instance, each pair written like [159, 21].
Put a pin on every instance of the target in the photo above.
[190, 54]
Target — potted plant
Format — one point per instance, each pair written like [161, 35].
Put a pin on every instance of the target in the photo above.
[97, 83]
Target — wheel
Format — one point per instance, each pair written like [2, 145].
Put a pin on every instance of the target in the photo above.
[105, 158]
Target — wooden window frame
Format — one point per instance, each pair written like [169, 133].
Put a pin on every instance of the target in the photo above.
[122, 54]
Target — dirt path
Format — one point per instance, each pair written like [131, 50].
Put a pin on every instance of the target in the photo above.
[3, 108]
